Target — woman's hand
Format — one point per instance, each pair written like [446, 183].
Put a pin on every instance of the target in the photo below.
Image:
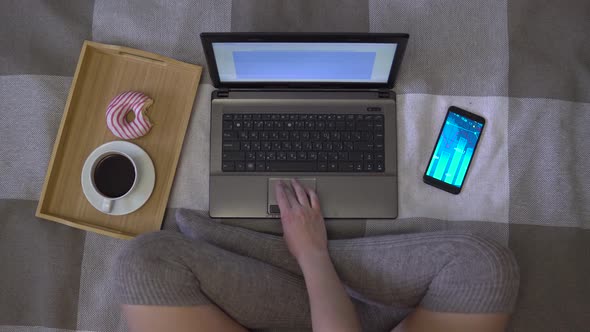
[303, 224]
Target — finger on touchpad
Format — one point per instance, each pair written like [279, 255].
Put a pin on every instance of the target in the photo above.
[273, 207]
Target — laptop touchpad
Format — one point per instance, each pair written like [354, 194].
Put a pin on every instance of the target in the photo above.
[273, 206]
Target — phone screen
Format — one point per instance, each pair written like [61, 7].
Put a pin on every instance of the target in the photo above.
[454, 149]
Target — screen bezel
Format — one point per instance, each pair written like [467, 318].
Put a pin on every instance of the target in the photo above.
[208, 38]
[441, 184]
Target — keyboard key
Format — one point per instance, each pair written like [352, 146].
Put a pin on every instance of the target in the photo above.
[273, 135]
[358, 167]
[327, 146]
[293, 166]
[305, 135]
[260, 155]
[291, 155]
[322, 117]
[331, 125]
[321, 125]
[265, 117]
[251, 156]
[284, 117]
[294, 135]
[355, 156]
[240, 166]
[299, 125]
[346, 166]
[337, 146]
[266, 146]
[322, 156]
[284, 135]
[253, 135]
[309, 125]
[369, 166]
[379, 156]
[227, 166]
[256, 117]
[247, 116]
[301, 155]
[268, 125]
[314, 135]
[339, 117]
[289, 125]
[343, 156]
[317, 146]
[363, 146]
[350, 125]
[278, 125]
[258, 125]
[245, 146]
[276, 146]
[275, 117]
[260, 166]
[230, 146]
[238, 116]
[271, 156]
[248, 125]
[297, 146]
[282, 155]
[243, 135]
[333, 156]
[263, 136]
[347, 146]
[228, 125]
[355, 136]
[287, 146]
[368, 156]
[340, 125]
[255, 146]
[379, 167]
[345, 135]
[230, 135]
[238, 125]
[364, 125]
[250, 166]
[323, 167]
[379, 147]
[228, 117]
[366, 136]
[293, 117]
[379, 137]
[335, 136]
[312, 155]
[306, 146]
[332, 167]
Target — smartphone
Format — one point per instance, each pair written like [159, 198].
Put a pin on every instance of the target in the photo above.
[454, 149]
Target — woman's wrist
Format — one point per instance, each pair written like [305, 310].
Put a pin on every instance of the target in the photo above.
[312, 260]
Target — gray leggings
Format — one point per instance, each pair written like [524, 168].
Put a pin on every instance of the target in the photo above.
[252, 277]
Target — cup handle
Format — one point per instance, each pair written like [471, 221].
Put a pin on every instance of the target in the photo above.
[107, 205]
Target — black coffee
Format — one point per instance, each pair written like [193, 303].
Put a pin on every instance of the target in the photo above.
[114, 175]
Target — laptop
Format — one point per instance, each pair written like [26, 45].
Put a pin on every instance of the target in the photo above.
[315, 107]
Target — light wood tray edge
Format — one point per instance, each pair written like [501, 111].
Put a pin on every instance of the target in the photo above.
[147, 56]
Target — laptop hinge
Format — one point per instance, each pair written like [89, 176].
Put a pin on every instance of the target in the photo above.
[222, 93]
[384, 93]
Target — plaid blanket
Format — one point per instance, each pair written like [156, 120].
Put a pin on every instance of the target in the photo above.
[522, 64]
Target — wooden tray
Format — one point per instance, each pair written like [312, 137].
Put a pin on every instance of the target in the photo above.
[103, 72]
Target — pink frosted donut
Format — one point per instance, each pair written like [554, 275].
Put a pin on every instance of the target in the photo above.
[117, 112]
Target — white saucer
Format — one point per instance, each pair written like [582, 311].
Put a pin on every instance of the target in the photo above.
[146, 178]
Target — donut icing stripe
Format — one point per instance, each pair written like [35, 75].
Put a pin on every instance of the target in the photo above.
[118, 109]
[132, 133]
[119, 116]
[110, 117]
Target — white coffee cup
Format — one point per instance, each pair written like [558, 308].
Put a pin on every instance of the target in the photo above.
[113, 174]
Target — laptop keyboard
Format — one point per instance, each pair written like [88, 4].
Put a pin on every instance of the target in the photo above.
[303, 143]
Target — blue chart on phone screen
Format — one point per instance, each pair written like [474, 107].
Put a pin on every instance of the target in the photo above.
[454, 149]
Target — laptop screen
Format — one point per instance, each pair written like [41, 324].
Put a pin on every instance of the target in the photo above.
[304, 61]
